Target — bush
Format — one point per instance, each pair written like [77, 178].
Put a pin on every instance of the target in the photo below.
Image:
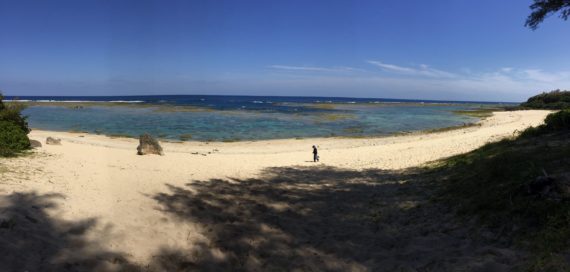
[492, 185]
[13, 139]
[12, 113]
[13, 130]
[558, 121]
[556, 99]
[533, 131]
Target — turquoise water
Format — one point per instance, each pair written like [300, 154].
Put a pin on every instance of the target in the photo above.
[301, 120]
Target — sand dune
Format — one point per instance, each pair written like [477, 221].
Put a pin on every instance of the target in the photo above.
[92, 203]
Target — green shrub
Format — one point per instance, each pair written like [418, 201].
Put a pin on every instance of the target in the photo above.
[13, 130]
[491, 184]
[12, 113]
[558, 121]
[534, 131]
[556, 99]
[13, 139]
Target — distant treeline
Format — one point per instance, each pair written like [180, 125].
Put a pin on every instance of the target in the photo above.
[556, 99]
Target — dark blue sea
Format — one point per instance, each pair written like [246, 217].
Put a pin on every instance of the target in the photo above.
[233, 118]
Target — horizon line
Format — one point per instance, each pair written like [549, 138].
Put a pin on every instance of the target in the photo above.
[304, 96]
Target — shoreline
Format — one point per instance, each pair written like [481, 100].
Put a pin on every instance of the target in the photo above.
[186, 200]
[295, 144]
[83, 134]
[482, 114]
[280, 124]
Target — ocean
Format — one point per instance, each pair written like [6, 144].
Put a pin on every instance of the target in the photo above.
[235, 118]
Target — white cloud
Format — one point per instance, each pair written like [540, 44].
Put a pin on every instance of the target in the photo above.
[314, 68]
[428, 71]
[392, 67]
[539, 75]
[506, 69]
[421, 70]
[419, 81]
[390, 81]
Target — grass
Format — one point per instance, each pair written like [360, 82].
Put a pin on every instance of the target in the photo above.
[490, 184]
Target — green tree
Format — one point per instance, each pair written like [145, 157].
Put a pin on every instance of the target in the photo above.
[12, 139]
[13, 113]
[543, 8]
[13, 129]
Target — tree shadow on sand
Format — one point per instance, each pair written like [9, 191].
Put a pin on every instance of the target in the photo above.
[322, 219]
[32, 240]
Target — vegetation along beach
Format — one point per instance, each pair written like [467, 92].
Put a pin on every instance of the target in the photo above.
[296, 136]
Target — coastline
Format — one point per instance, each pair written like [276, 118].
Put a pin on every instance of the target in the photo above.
[482, 114]
[505, 120]
[103, 179]
[283, 122]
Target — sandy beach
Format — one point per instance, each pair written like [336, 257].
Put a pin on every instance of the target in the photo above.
[92, 203]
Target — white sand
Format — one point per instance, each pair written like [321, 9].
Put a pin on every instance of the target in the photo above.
[103, 179]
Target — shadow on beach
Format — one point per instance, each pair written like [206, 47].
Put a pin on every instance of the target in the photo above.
[323, 219]
[32, 240]
[286, 219]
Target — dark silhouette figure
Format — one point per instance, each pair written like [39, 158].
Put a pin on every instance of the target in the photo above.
[315, 154]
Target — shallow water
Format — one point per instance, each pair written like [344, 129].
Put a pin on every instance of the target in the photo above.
[246, 118]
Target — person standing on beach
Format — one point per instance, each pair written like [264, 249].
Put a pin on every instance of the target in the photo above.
[315, 154]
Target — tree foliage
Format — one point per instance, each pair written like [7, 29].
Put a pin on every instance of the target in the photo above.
[13, 113]
[554, 100]
[543, 8]
[13, 129]
[12, 139]
[554, 122]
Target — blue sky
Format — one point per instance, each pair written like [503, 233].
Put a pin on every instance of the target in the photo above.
[448, 49]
